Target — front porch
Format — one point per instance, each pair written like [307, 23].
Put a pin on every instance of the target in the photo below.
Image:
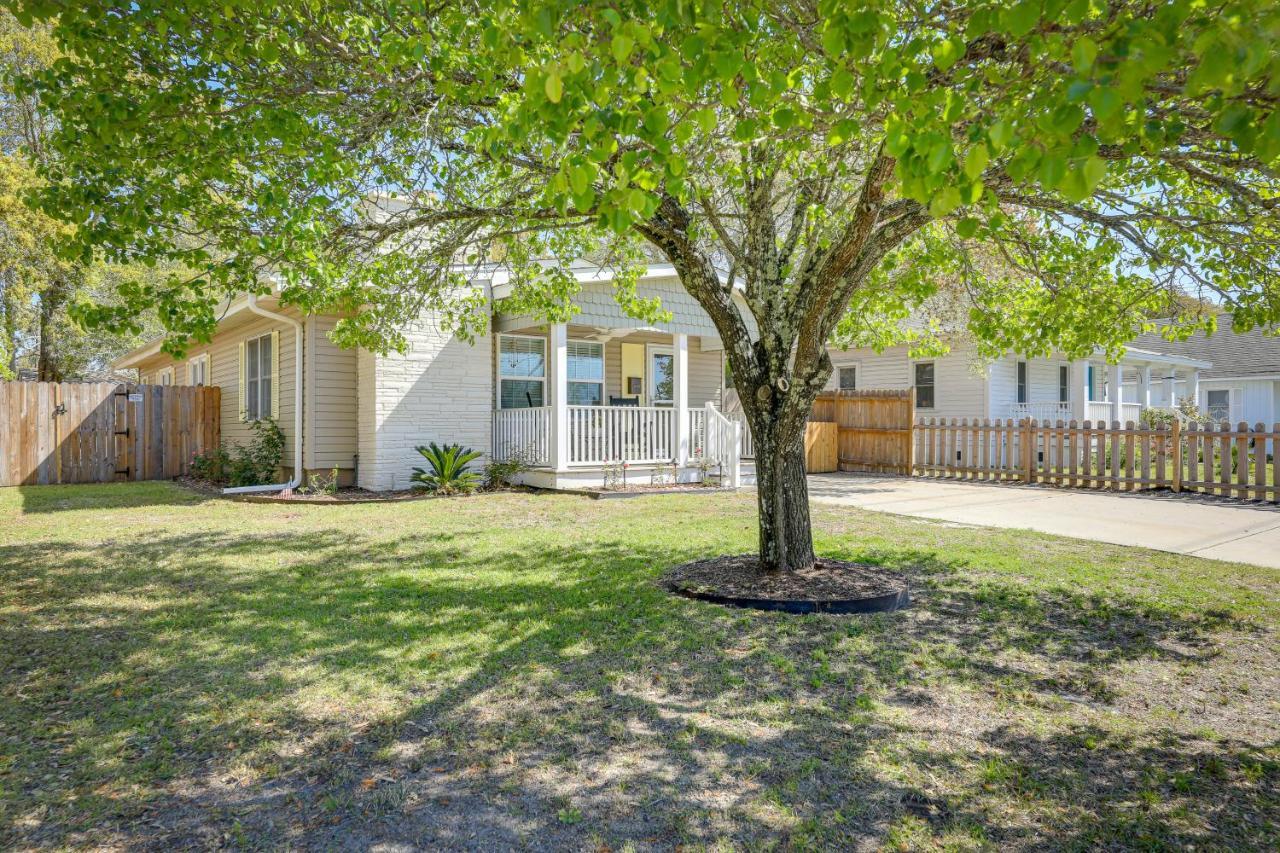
[1089, 390]
[578, 402]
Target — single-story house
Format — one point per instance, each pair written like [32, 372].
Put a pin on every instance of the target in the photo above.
[961, 385]
[1242, 382]
[569, 398]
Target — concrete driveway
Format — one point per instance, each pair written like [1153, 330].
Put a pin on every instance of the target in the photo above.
[1185, 524]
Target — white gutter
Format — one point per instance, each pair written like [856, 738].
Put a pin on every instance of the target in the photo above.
[297, 405]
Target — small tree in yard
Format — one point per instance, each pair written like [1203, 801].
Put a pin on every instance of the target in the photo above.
[812, 169]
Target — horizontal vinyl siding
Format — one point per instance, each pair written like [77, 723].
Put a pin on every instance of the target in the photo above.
[224, 371]
[959, 389]
[706, 369]
[332, 403]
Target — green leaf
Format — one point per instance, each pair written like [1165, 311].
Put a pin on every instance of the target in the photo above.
[1021, 18]
[947, 52]
[967, 227]
[1105, 102]
[976, 160]
[1094, 170]
[945, 201]
[554, 87]
[621, 48]
[1083, 53]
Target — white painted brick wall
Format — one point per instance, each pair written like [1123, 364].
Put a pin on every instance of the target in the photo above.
[440, 390]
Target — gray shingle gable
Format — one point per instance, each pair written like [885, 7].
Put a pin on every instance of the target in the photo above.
[1253, 353]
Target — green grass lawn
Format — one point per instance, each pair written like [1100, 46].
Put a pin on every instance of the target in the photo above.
[503, 671]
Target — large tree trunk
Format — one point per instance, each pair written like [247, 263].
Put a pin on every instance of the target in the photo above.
[786, 541]
[48, 369]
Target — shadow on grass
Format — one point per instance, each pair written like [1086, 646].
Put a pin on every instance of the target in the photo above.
[330, 688]
[100, 496]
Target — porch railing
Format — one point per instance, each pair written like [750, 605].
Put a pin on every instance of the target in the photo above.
[599, 434]
[1050, 411]
[1099, 411]
[522, 433]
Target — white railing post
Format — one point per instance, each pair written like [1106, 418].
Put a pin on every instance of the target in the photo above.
[1115, 391]
[1080, 390]
[1144, 386]
[1193, 388]
[1171, 389]
[558, 375]
[680, 397]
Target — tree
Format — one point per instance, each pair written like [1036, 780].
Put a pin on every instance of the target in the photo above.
[805, 166]
[39, 288]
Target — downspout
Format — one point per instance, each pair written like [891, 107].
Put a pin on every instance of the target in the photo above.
[297, 404]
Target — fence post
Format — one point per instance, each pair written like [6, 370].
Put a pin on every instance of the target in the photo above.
[1177, 455]
[1027, 454]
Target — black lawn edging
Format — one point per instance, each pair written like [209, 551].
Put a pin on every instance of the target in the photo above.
[887, 603]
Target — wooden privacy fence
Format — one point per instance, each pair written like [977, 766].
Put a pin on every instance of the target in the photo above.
[1216, 459]
[100, 432]
[873, 429]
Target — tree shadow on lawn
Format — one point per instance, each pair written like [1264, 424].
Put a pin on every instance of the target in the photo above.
[326, 688]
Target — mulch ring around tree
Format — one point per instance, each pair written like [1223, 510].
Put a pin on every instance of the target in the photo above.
[831, 586]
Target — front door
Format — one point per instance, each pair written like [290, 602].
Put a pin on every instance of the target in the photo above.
[661, 375]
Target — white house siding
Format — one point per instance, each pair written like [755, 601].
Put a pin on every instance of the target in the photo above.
[224, 371]
[598, 307]
[960, 389]
[440, 389]
[1042, 383]
[329, 398]
[1253, 401]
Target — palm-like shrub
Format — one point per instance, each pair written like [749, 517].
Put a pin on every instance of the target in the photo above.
[449, 473]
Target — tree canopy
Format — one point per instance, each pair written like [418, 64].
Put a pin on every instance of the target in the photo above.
[39, 286]
[1072, 166]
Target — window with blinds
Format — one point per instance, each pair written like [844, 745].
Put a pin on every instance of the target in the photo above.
[522, 372]
[585, 363]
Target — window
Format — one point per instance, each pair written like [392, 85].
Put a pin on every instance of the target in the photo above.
[1091, 392]
[198, 370]
[586, 373]
[257, 378]
[1022, 382]
[662, 377]
[1064, 384]
[522, 372]
[1218, 404]
[924, 385]
[165, 376]
[848, 378]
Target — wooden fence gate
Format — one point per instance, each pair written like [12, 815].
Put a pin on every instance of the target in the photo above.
[873, 429]
[69, 432]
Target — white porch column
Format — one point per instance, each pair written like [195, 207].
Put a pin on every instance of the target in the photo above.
[1170, 389]
[680, 396]
[1115, 391]
[1144, 386]
[1193, 387]
[558, 386]
[1079, 390]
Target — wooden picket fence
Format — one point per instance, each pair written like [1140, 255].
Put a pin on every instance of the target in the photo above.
[102, 432]
[873, 428]
[1215, 459]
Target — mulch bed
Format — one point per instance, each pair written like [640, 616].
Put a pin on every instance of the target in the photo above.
[833, 586]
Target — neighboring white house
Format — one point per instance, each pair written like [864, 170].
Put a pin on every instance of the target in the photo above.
[1243, 381]
[961, 385]
[571, 397]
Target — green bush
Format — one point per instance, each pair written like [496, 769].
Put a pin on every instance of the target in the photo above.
[449, 473]
[213, 466]
[258, 463]
[500, 473]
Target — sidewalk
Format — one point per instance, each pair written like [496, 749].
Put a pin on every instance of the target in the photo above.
[1185, 524]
